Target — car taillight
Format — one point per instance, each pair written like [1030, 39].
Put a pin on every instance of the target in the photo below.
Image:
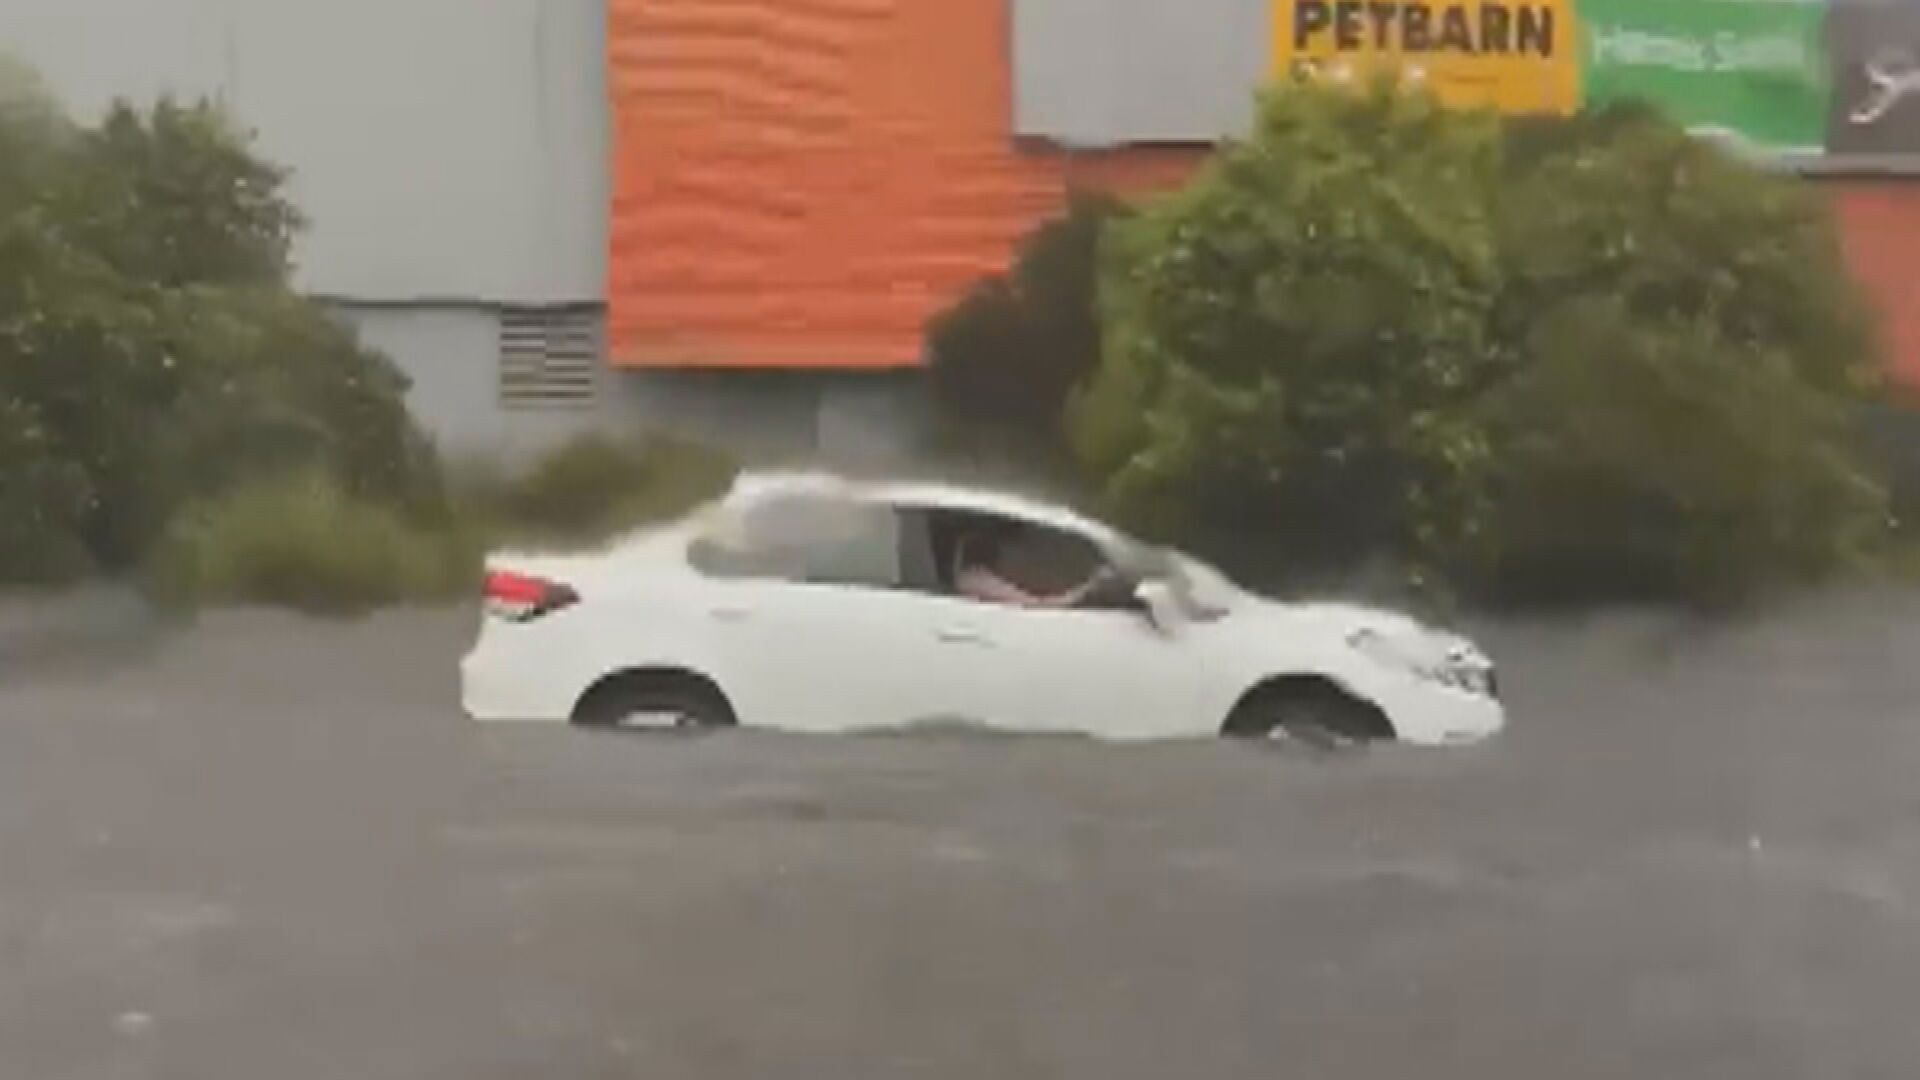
[520, 598]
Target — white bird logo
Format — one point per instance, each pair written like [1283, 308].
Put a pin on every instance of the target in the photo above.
[1895, 74]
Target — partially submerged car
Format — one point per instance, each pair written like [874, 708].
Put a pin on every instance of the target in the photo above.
[811, 603]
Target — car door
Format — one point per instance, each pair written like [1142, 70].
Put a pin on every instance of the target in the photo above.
[822, 636]
[1103, 669]
[1099, 672]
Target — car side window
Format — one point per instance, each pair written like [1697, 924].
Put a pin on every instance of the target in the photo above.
[1049, 561]
[1041, 562]
[804, 539]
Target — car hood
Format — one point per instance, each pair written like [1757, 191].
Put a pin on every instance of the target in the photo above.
[1346, 619]
[1418, 641]
[1331, 621]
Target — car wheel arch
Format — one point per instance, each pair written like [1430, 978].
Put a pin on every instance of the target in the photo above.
[1309, 682]
[653, 678]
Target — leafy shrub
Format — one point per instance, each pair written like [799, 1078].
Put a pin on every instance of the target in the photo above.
[276, 384]
[1561, 360]
[596, 486]
[1005, 357]
[301, 540]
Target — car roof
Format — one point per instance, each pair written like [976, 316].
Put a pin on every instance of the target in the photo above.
[753, 486]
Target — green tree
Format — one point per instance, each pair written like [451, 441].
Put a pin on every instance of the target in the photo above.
[42, 501]
[33, 131]
[1290, 340]
[1006, 357]
[152, 350]
[174, 196]
[1576, 359]
[1696, 358]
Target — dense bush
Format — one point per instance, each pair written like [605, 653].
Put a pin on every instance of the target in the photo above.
[1563, 360]
[152, 351]
[277, 384]
[1695, 364]
[1893, 434]
[1005, 358]
[42, 499]
[301, 540]
[306, 539]
[1638, 459]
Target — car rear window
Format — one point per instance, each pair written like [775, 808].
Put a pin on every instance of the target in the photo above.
[803, 538]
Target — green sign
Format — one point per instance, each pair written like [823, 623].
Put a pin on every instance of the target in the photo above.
[1753, 69]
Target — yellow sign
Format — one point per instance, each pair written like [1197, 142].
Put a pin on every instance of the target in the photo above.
[1517, 56]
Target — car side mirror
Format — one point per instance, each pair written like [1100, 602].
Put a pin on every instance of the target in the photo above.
[1162, 609]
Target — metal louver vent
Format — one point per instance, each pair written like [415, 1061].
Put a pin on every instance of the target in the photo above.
[549, 357]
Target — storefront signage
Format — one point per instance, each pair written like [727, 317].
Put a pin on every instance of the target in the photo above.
[1517, 56]
[1824, 78]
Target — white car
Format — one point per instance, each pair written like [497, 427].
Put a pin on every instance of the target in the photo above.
[811, 603]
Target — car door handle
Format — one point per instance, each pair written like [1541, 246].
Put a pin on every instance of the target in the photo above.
[962, 635]
[732, 612]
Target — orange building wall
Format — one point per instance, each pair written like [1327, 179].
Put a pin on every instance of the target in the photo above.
[802, 183]
[1880, 224]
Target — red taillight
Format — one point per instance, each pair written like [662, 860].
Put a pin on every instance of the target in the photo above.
[520, 598]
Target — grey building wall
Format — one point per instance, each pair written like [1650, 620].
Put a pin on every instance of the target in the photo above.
[452, 156]
[843, 418]
[443, 149]
[1112, 72]
[853, 419]
[451, 354]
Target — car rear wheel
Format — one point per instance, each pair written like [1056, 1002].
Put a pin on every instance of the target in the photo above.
[655, 703]
[1314, 712]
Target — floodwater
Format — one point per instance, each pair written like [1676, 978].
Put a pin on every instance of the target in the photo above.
[263, 846]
